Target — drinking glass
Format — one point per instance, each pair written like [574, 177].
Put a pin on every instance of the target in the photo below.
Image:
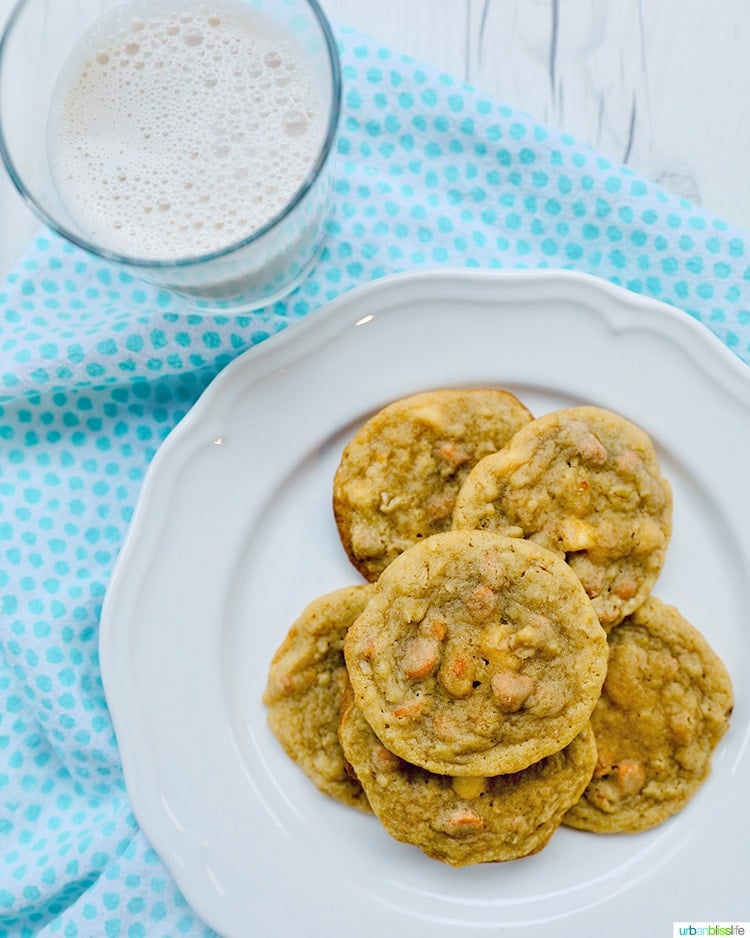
[262, 265]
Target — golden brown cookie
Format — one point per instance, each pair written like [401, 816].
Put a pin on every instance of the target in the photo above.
[477, 655]
[306, 679]
[399, 475]
[462, 821]
[664, 707]
[585, 483]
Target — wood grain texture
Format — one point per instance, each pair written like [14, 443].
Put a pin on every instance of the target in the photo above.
[645, 83]
[661, 86]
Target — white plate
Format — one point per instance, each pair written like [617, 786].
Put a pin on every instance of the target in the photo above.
[234, 534]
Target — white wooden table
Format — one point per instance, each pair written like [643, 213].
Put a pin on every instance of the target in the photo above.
[663, 86]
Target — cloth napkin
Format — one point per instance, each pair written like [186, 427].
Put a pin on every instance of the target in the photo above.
[96, 369]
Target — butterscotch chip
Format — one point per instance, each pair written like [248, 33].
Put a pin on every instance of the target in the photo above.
[585, 483]
[398, 477]
[463, 820]
[477, 655]
[665, 705]
[306, 680]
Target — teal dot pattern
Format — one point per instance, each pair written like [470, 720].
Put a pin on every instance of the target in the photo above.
[96, 368]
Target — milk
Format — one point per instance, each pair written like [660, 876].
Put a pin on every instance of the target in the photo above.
[178, 129]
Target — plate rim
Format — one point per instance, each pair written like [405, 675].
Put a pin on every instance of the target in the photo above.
[696, 336]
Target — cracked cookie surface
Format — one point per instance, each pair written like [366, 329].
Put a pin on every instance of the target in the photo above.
[398, 476]
[477, 655]
[463, 821]
[306, 680]
[585, 483]
[665, 705]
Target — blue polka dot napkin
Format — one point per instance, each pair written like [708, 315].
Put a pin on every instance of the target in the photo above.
[96, 369]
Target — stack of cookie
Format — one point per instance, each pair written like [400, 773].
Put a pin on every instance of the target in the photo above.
[504, 668]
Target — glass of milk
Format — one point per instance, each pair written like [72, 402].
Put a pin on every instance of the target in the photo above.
[190, 141]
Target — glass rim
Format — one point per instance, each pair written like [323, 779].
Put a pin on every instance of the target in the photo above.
[188, 260]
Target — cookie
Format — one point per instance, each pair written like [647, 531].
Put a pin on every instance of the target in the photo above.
[306, 680]
[585, 483]
[463, 821]
[665, 705]
[477, 655]
[398, 477]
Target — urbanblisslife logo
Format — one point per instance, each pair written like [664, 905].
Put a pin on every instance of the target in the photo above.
[710, 928]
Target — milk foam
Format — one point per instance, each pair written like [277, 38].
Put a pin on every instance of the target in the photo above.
[177, 129]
